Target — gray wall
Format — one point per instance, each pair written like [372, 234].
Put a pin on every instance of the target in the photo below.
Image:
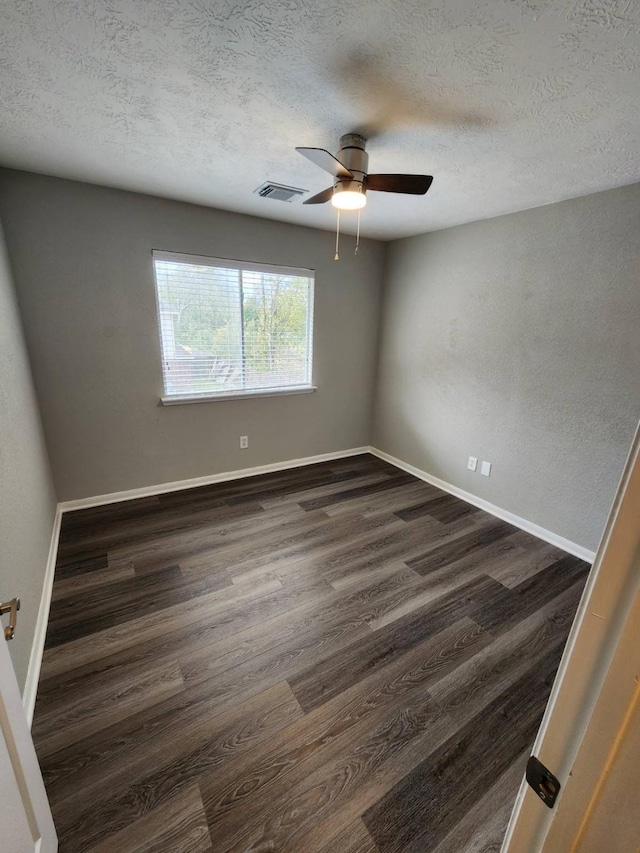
[517, 340]
[27, 496]
[81, 258]
[514, 339]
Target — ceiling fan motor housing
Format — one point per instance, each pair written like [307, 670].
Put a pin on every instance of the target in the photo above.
[350, 170]
[352, 154]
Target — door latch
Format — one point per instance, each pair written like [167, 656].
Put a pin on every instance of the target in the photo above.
[10, 607]
[543, 782]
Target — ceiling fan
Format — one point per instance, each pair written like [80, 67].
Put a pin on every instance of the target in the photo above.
[352, 181]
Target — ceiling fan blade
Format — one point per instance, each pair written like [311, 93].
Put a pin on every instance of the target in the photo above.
[326, 161]
[320, 198]
[412, 184]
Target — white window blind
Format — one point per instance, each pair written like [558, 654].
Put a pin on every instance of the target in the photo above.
[230, 327]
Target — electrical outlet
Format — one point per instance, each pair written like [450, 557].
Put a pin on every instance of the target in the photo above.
[244, 442]
[472, 464]
[486, 469]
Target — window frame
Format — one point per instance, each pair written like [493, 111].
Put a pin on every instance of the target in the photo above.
[249, 266]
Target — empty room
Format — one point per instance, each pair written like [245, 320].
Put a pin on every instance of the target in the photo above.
[319, 398]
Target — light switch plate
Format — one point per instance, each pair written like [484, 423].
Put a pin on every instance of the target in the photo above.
[472, 464]
[486, 469]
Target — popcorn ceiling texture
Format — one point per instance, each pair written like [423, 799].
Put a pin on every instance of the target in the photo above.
[509, 104]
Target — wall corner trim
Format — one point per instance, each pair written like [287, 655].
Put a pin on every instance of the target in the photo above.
[37, 648]
[492, 509]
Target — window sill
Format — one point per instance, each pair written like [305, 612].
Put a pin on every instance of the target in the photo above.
[236, 395]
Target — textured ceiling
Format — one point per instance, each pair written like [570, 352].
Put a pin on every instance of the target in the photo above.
[508, 103]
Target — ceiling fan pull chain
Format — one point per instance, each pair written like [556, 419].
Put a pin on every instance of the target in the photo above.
[337, 256]
[357, 235]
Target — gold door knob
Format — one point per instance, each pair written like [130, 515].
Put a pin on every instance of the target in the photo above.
[11, 607]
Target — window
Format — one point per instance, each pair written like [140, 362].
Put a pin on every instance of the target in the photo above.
[230, 328]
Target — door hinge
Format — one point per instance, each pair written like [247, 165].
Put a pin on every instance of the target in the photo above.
[543, 782]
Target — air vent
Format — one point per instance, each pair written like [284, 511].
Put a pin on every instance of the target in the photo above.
[279, 192]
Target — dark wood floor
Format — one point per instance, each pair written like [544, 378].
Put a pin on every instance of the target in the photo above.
[335, 659]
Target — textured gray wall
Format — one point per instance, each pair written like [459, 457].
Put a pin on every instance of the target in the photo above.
[27, 496]
[81, 258]
[517, 340]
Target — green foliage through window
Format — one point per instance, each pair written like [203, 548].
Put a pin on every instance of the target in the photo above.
[225, 327]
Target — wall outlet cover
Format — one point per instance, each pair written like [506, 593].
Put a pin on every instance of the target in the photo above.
[472, 464]
[244, 442]
[486, 469]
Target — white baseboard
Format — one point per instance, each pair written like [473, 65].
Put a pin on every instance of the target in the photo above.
[37, 648]
[505, 515]
[163, 488]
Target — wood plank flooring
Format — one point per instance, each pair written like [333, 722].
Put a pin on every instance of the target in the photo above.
[333, 659]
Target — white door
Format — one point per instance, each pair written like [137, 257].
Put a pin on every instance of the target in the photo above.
[26, 825]
[590, 734]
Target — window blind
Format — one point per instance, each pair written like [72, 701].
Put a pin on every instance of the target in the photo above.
[232, 327]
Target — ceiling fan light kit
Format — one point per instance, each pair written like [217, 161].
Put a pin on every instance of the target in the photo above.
[348, 195]
[351, 178]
